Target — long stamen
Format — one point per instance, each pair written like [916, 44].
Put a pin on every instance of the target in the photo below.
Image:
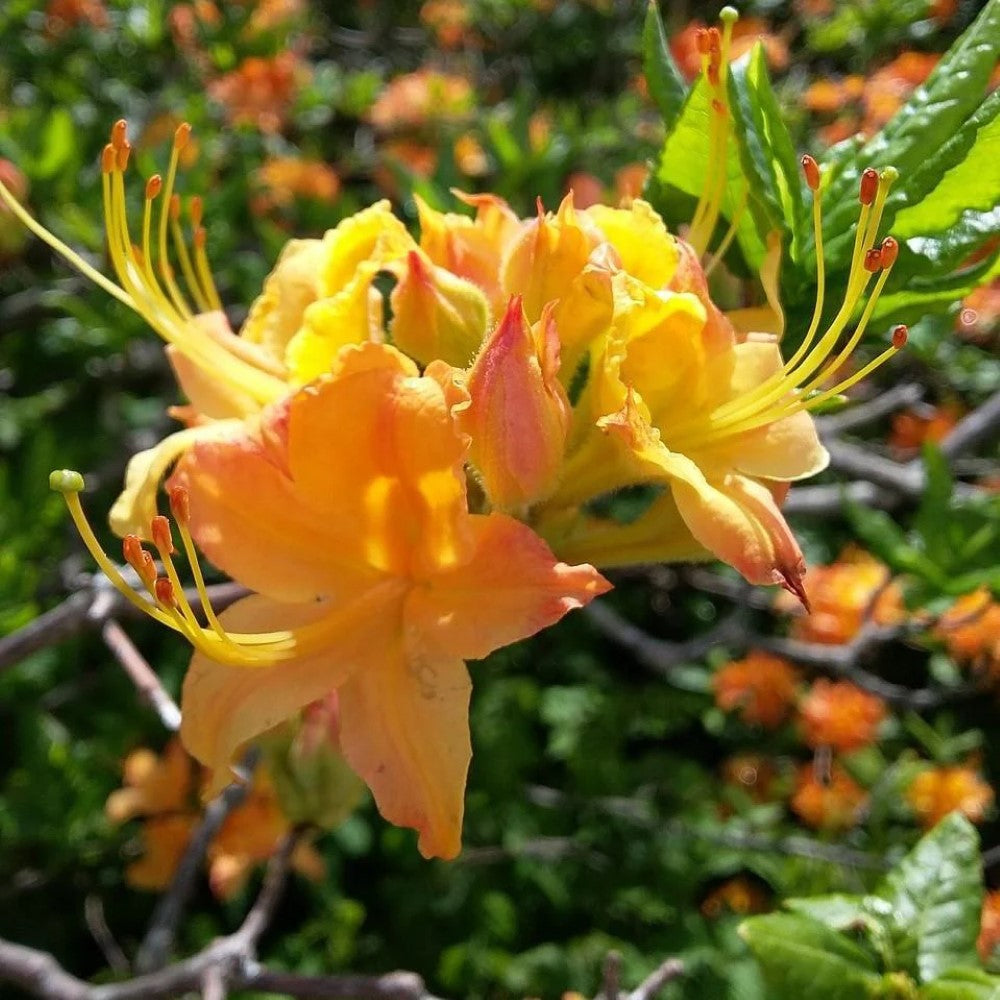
[181, 137]
[184, 257]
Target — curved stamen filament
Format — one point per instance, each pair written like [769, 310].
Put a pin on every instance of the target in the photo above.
[187, 269]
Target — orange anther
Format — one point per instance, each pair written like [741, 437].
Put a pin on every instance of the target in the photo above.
[197, 210]
[164, 591]
[715, 41]
[175, 207]
[889, 251]
[701, 40]
[180, 505]
[159, 529]
[869, 185]
[108, 158]
[900, 334]
[132, 551]
[124, 151]
[119, 131]
[153, 186]
[873, 260]
[811, 169]
[182, 135]
[199, 237]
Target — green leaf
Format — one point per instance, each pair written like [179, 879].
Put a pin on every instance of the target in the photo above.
[963, 984]
[58, 145]
[837, 911]
[933, 510]
[666, 85]
[935, 894]
[934, 112]
[800, 957]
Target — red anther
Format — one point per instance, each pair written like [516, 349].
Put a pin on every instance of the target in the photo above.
[124, 151]
[164, 591]
[889, 251]
[715, 41]
[869, 185]
[900, 334]
[132, 550]
[811, 169]
[159, 530]
[153, 186]
[175, 207]
[718, 107]
[119, 131]
[701, 41]
[180, 505]
[108, 158]
[199, 236]
[181, 135]
[873, 260]
[197, 210]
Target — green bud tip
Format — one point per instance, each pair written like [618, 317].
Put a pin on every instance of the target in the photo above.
[66, 481]
[729, 14]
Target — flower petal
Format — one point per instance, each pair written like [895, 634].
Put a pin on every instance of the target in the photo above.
[405, 731]
[512, 587]
[224, 707]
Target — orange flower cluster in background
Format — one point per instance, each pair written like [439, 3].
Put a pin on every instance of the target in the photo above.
[761, 687]
[989, 925]
[911, 428]
[970, 630]
[941, 790]
[282, 179]
[979, 318]
[422, 97]
[840, 595]
[739, 895]
[161, 792]
[260, 91]
[62, 15]
[839, 715]
[829, 802]
[449, 21]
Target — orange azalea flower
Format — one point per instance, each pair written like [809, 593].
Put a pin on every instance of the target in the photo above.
[449, 20]
[831, 804]
[153, 785]
[840, 595]
[585, 188]
[761, 687]
[753, 774]
[61, 15]
[470, 157]
[739, 895]
[970, 629]
[979, 318]
[941, 790]
[260, 91]
[989, 925]
[282, 179]
[629, 182]
[840, 715]
[187, 22]
[423, 96]
[911, 428]
[164, 838]
[268, 15]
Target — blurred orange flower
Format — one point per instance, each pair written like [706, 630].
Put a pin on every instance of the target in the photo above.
[970, 629]
[753, 774]
[164, 840]
[938, 791]
[161, 130]
[839, 596]
[587, 189]
[470, 157]
[153, 785]
[271, 14]
[738, 895]
[12, 233]
[979, 318]
[833, 804]
[260, 91]
[761, 687]
[989, 925]
[188, 21]
[282, 179]
[911, 428]
[840, 715]
[629, 182]
[423, 96]
[449, 21]
[61, 15]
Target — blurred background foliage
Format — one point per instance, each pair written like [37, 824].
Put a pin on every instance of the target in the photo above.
[610, 805]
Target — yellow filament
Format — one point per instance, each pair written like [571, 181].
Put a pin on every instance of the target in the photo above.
[820, 287]
[175, 581]
[166, 271]
[147, 223]
[734, 226]
[199, 580]
[186, 268]
[207, 281]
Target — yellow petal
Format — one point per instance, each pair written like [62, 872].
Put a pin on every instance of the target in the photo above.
[374, 235]
[647, 251]
[136, 506]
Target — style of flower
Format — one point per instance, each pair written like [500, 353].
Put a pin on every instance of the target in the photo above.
[839, 715]
[828, 802]
[842, 596]
[938, 791]
[761, 687]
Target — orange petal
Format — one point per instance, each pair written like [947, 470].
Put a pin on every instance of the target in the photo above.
[395, 477]
[224, 707]
[512, 587]
[405, 731]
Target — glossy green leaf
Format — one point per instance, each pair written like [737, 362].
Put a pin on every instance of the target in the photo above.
[666, 85]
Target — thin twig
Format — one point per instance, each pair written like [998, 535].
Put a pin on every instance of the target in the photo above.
[859, 414]
[142, 675]
[671, 969]
[93, 914]
[611, 976]
[977, 427]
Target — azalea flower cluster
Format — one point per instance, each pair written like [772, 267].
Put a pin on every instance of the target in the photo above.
[400, 451]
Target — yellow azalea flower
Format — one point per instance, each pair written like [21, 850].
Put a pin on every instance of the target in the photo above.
[372, 579]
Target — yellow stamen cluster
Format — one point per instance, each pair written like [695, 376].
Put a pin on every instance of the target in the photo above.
[165, 600]
[796, 386]
[146, 280]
